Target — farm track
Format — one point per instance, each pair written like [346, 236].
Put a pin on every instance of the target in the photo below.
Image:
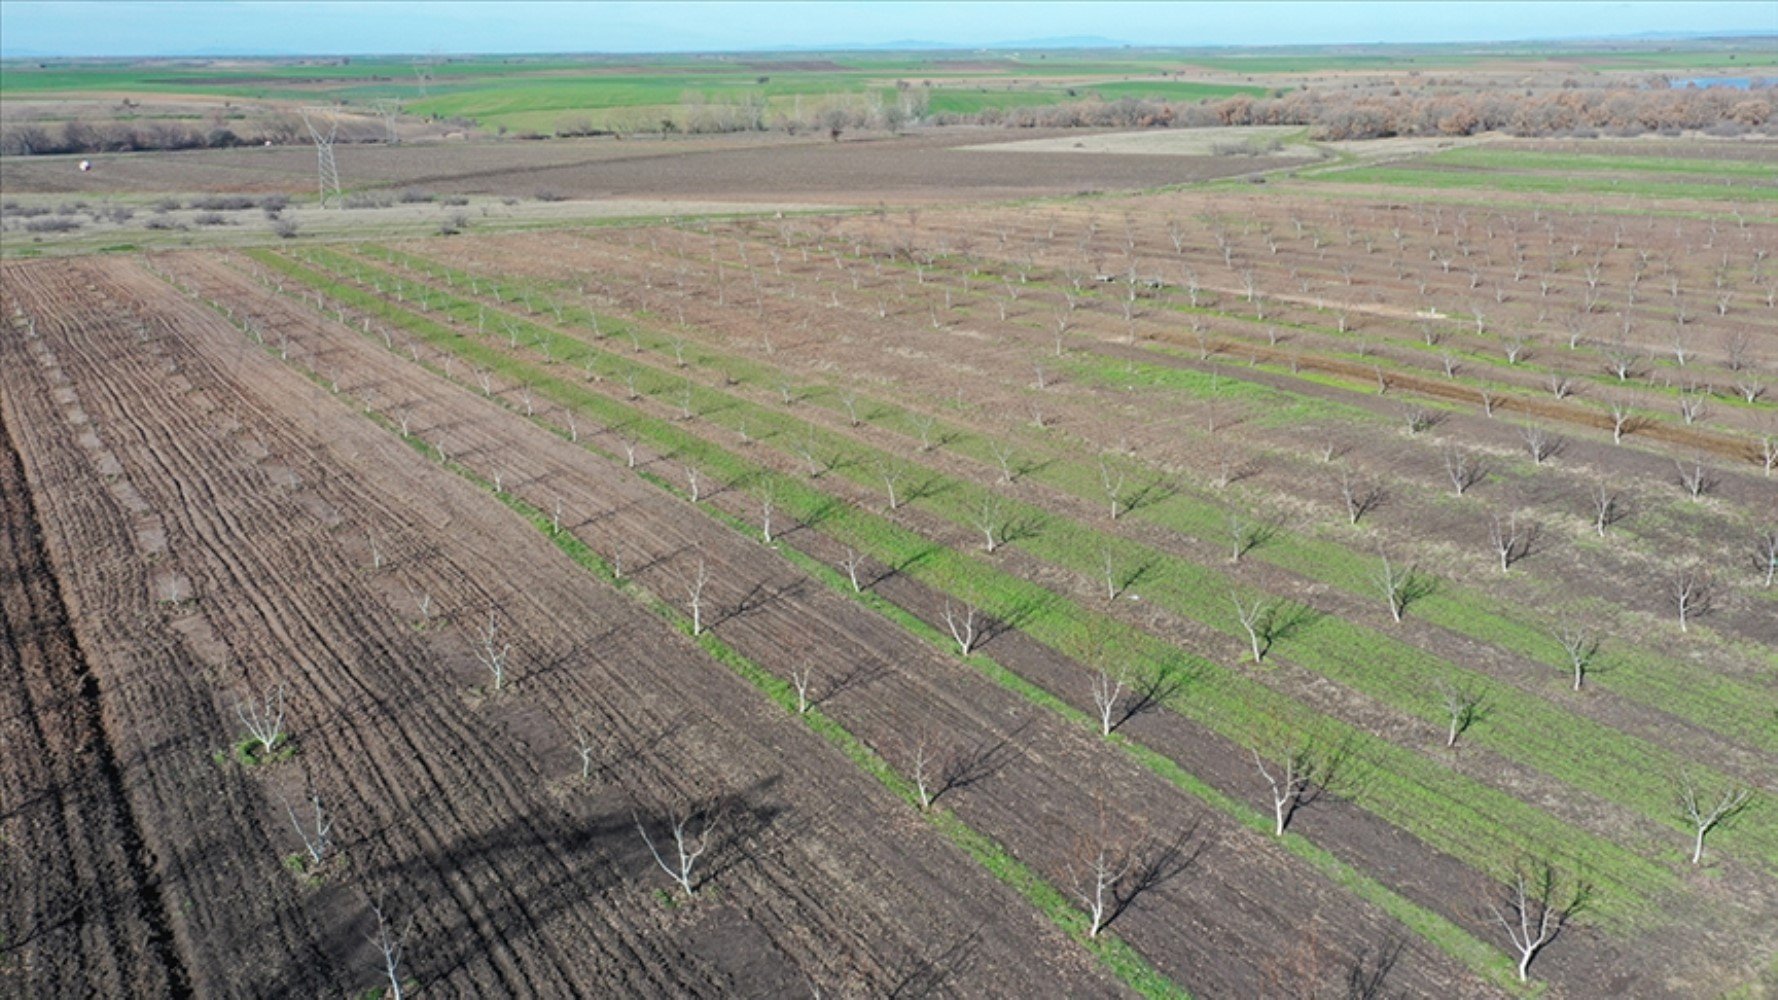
[1597, 815]
[446, 795]
[1047, 769]
[82, 909]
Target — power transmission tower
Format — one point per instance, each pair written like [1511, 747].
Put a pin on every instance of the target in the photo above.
[324, 126]
[389, 108]
[423, 70]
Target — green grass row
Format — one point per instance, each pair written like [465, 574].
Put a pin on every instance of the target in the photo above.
[1451, 812]
[1553, 183]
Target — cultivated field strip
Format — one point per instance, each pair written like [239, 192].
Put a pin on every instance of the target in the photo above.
[1190, 521]
[1560, 755]
[521, 881]
[88, 916]
[543, 387]
[781, 619]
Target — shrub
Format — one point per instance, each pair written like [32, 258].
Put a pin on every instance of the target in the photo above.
[284, 229]
[210, 219]
[455, 200]
[545, 194]
[164, 224]
[410, 196]
[369, 199]
[59, 224]
[223, 202]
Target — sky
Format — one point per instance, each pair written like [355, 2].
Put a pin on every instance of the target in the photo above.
[354, 27]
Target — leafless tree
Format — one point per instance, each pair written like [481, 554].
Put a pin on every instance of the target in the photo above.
[1293, 770]
[1114, 486]
[1258, 616]
[989, 520]
[1541, 443]
[1580, 643]
[1108, 695]
[1398, 584]
[1609, 507]
[1463, 706]
[1464, 470]
[263, 715]
[1767, 453]
[1100, 870]
[1533, 904]
[1765, 554]
[1692, 593]
[962, 625]
[851, 563]
[491, 652]
[694, 594]
[629, 444]
[767, 492]
[586, 746]
[1696, 478]
[392, 945]
[316, 833]
[892, 473]
[692, 483]
[1623, 421]
[1707, 810]
[923, 424]
[692, 826]
[1511, 540]
[1360, 498]
[801, 677]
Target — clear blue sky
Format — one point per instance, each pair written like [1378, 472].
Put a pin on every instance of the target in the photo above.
[218, 27]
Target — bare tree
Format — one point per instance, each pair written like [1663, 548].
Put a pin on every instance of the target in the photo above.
[1289, 776]
[491, 652]
[1114, 486]
[316, 833]
[1397, 584]
[392, 945]
[1692, 594]
[892, 473]
[1609, 507]
[1580, 644]
[1258, 616]
[801, 677]
[989, 520]
[962, 625]
[692, 826]
[1099, 871]
[1695, 478]
[263, 715]
[694, 595]
[1533, 905]
[1360, 498]
[1464, 469]
[1765, 554]
[767, 492]
[1542, 445]
[1108, 695]
[1463, 706]
[1706, 810]
[851, 563]
[1511, 540]
[586, 746]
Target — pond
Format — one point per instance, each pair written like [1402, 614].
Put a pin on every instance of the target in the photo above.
[1731, 82]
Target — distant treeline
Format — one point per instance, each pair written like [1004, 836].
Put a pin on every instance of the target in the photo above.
[31, 139]
[1335, 115]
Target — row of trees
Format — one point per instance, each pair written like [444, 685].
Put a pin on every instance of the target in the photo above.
[1336, 115]
[33, 139]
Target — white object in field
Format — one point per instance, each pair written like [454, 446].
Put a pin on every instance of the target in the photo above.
[268, 142]
[86, 165]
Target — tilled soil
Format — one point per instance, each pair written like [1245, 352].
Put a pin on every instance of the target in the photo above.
[238, 497]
